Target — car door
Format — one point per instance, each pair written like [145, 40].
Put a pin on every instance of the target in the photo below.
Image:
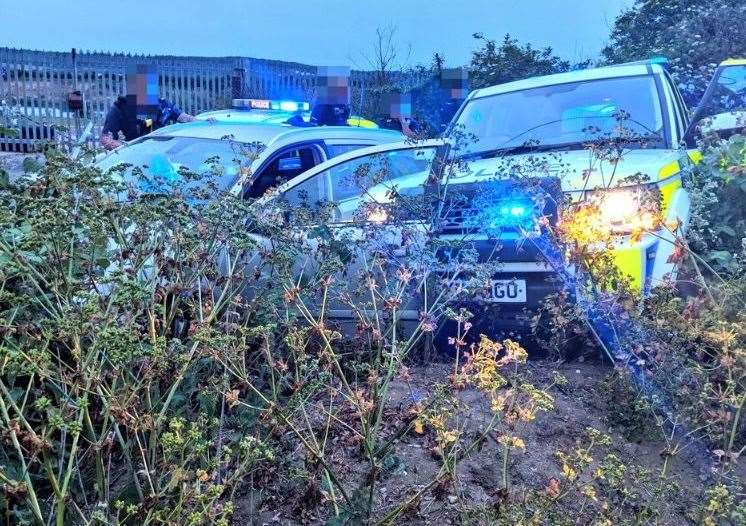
[282, 166]
[722, 110]
[353, 196]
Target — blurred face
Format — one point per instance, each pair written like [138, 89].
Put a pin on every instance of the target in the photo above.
[455, 83]
[333, 85]
[398, 105]
[142, 83]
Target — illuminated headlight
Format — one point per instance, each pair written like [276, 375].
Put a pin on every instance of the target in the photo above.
[377, 214]
[626, 210]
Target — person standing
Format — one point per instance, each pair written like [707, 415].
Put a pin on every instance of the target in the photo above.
[122, 123]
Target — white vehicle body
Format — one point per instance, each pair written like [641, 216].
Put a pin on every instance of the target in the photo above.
[247, 152]
[657, 166]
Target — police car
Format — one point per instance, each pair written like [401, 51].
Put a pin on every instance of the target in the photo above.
[272, 112]
[245, 157]
[541, 128]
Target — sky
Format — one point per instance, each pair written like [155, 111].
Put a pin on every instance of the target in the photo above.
[318, 32]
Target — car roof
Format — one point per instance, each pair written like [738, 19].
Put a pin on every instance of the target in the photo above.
[606, 72]
[248, 116]
[268, 134]
[734, 62]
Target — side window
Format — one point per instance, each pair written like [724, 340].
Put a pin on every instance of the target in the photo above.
[681, 113]
[283, 167]
[335, 150]
[364, 178]
[358, 176]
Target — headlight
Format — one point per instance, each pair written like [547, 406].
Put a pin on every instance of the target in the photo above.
[626, 210]
[377, 214]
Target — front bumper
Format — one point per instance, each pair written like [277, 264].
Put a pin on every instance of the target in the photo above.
[645, 263]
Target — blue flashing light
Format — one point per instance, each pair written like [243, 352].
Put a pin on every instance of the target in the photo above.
[289, 106]
[293, 106]
[661, 60]
[512, 213]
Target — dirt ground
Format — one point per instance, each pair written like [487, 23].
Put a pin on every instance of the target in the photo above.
[578, 405]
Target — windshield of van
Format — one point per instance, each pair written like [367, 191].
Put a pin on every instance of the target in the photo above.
[725, 94]
[162, 158]
[565, 116]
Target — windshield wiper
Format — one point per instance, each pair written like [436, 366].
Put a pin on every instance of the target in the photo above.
[523, 149]
[527, 147]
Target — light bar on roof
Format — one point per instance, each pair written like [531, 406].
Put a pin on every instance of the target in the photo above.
[266, 104]
[663, 61]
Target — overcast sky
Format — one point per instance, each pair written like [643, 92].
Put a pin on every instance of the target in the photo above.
[319, 32]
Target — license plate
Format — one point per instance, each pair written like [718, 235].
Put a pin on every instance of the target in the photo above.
[508, 291]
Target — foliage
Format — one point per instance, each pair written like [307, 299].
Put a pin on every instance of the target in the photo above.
[592, 486]
[695, 36]
[499, 62]
[683, 348]
[156, 354]
[718, 216]
[628, 409]
[164, 352]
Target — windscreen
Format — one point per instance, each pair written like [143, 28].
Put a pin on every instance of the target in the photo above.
[161, 160]
[565, 115]
[726, 93]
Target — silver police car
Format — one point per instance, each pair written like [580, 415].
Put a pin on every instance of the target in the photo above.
[243, 156]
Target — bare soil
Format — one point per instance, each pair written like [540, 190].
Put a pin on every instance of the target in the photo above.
[578, 405]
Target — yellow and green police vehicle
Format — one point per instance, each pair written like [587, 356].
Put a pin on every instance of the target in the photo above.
[547, 128]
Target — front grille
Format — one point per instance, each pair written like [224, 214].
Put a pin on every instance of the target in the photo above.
[501, 209]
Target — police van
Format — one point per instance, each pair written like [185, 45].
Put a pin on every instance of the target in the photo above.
[244, 152]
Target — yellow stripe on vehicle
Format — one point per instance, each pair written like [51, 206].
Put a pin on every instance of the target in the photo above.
[734, 62]
[695, 156]
[668, 170]
[668, 184]
[667, 189]
[361, 123]
[631, 263]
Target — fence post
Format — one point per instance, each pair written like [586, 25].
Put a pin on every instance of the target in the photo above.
[237, 83]
[76, 115]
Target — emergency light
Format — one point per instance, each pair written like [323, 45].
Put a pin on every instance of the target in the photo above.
[509, 213]
[290, 106]
[660, 60]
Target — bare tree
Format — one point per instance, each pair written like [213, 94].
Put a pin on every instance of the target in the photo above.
[384, 56]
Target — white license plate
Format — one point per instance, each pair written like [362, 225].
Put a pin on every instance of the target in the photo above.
[508, 291]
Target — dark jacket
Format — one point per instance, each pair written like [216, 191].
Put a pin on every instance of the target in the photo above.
[121, 118]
